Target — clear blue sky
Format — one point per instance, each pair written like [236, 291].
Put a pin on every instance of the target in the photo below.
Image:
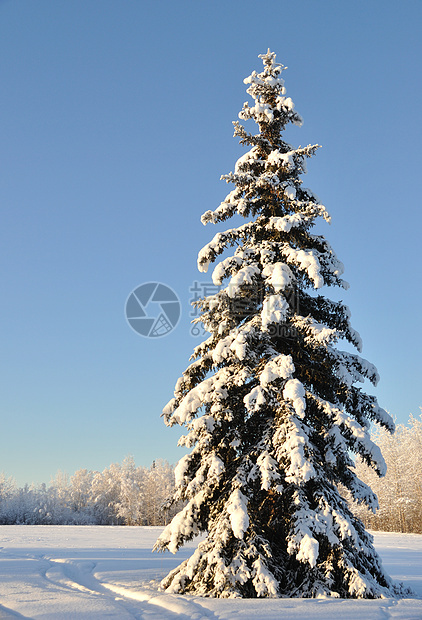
[115, 126]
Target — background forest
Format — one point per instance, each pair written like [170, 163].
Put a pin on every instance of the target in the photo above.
[124, 494]
[400, 491]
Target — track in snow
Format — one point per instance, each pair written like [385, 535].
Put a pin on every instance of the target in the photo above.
[109, 573]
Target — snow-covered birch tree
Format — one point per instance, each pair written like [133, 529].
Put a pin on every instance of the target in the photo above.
[400, 491]
[271, 406]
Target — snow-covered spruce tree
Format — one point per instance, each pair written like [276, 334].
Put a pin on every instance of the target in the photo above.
[270, 403]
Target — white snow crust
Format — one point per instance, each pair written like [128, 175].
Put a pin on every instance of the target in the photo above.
[274, 310]
[278, 367]
[279, 275]
[72, 572]
[237, 509]
[307, 261]
[294, 391]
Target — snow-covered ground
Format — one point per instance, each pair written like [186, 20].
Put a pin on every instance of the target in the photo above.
[94, 572]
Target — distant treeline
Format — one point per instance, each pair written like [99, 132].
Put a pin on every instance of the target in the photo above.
[400, 491]
[124, 494]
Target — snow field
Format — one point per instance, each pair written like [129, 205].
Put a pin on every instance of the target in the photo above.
[101, 572]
